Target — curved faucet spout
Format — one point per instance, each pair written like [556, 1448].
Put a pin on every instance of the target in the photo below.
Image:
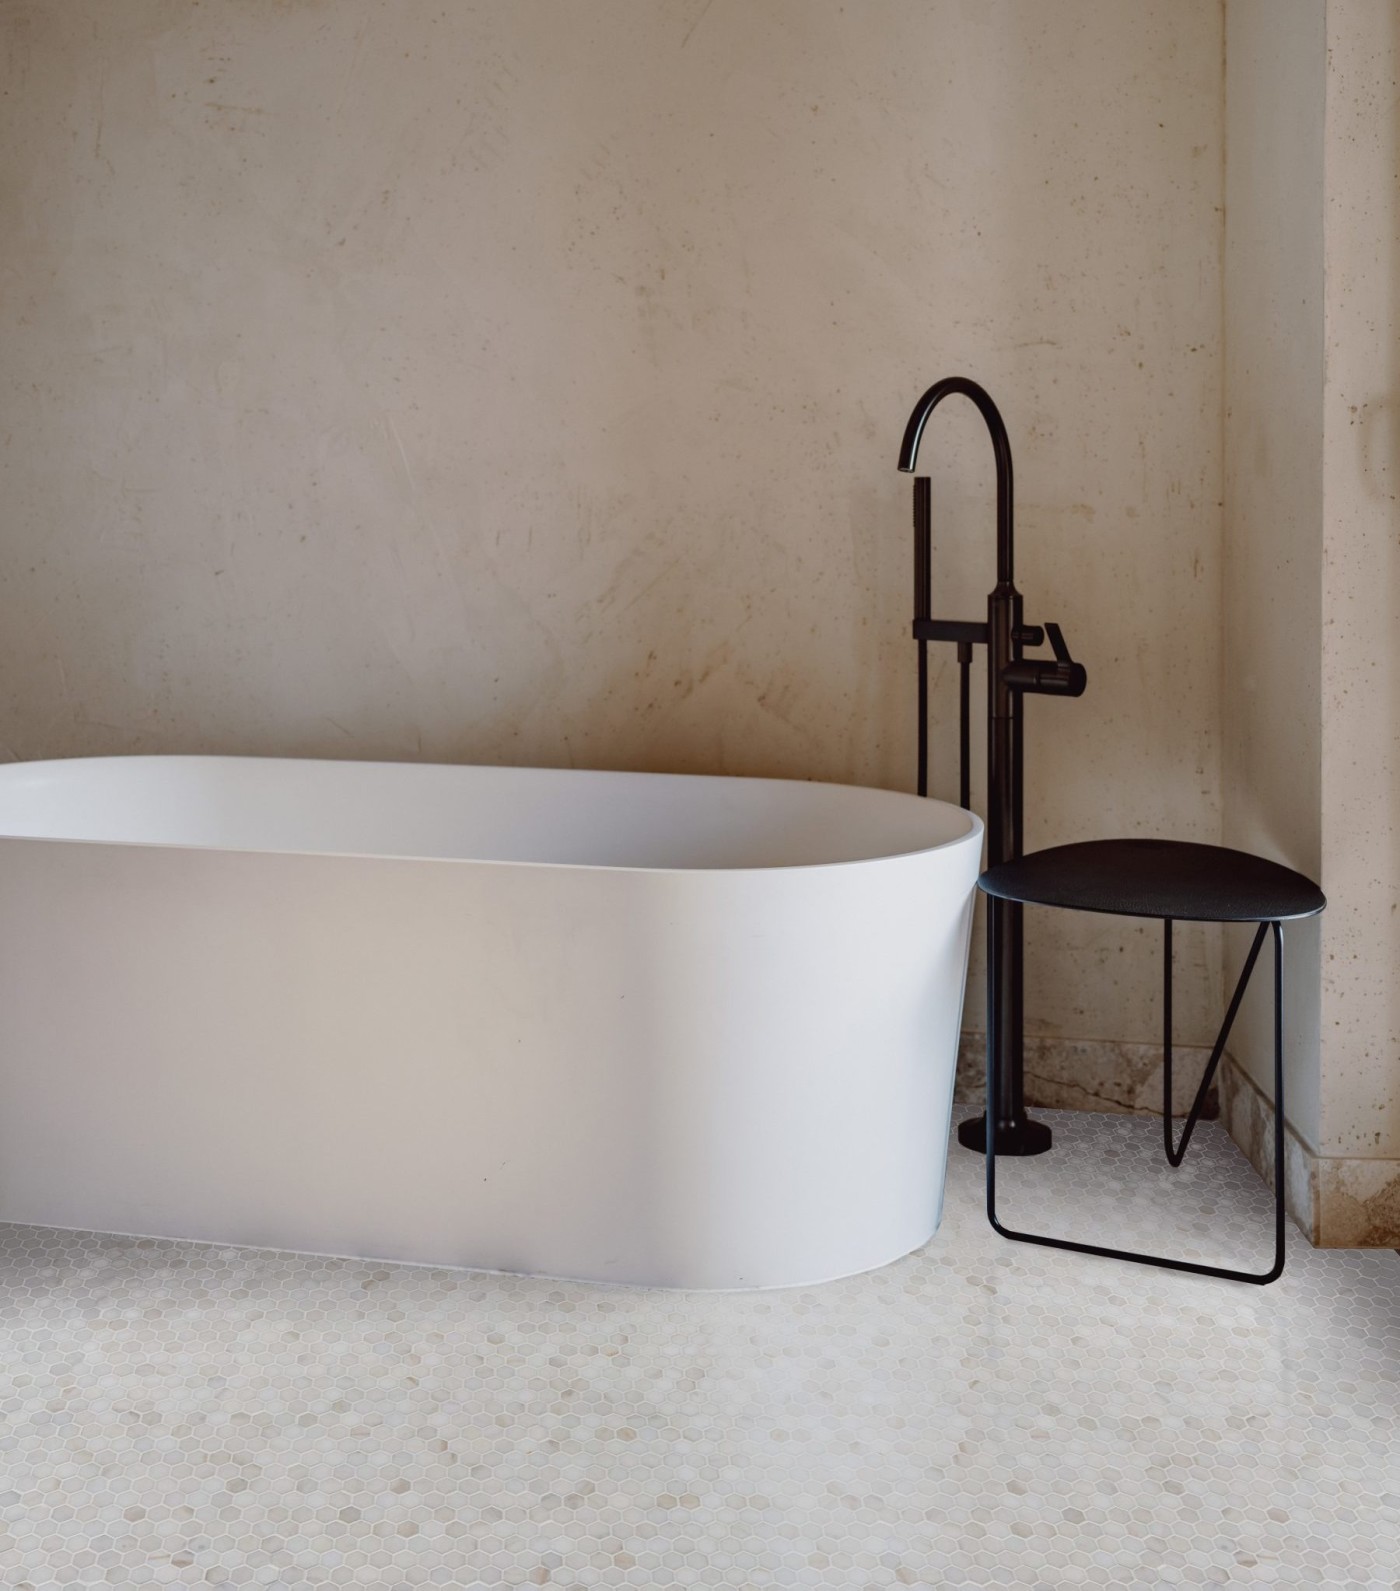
[1001, 447]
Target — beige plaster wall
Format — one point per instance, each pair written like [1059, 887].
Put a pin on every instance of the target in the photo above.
[1275, 95]
[1361, 588]
[1312, 574]
[523, 382]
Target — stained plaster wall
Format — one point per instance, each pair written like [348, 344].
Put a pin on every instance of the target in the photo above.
[524, 382]
[1313, 573]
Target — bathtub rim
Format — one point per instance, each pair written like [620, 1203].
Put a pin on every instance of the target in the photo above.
[973, 833]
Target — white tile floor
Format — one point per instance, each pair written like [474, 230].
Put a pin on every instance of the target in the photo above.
[980, 1413]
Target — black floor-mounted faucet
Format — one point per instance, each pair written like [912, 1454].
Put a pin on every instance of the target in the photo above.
[1009, 677]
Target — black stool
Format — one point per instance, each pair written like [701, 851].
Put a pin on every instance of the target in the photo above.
[1171, 880]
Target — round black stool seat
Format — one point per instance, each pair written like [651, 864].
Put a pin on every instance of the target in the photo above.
[1157, 878]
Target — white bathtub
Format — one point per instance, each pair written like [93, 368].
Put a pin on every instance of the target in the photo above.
[689, 1032]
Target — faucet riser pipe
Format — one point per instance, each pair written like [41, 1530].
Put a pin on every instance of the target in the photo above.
[923, 607]
[1008, 679]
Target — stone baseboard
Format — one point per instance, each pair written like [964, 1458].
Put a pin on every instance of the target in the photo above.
[1092, 1074]
[1336, 1203]
[1249, 1119]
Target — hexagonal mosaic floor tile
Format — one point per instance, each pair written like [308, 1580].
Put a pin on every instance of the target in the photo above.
[980, 1413]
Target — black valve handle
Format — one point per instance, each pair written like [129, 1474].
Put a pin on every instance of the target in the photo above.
[1063, 677]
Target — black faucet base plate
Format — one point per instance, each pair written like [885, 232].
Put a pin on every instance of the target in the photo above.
[1025, 1137]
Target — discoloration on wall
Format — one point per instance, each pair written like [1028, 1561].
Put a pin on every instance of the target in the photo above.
[524, 383]
[1093, 1074]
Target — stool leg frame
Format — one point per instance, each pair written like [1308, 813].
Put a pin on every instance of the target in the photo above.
[1176, 1155]
[1260, 1278]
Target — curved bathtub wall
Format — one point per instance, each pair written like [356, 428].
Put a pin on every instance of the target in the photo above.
[714, 1049]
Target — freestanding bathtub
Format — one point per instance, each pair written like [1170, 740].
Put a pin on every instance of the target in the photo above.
[687, 1032]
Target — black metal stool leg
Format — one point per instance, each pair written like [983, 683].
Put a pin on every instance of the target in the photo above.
[1260, 1278]
[1175, 1156]
[1280, 1121]
[1167, 1045]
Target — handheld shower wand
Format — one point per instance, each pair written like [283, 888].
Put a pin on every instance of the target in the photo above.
[1010, 676]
